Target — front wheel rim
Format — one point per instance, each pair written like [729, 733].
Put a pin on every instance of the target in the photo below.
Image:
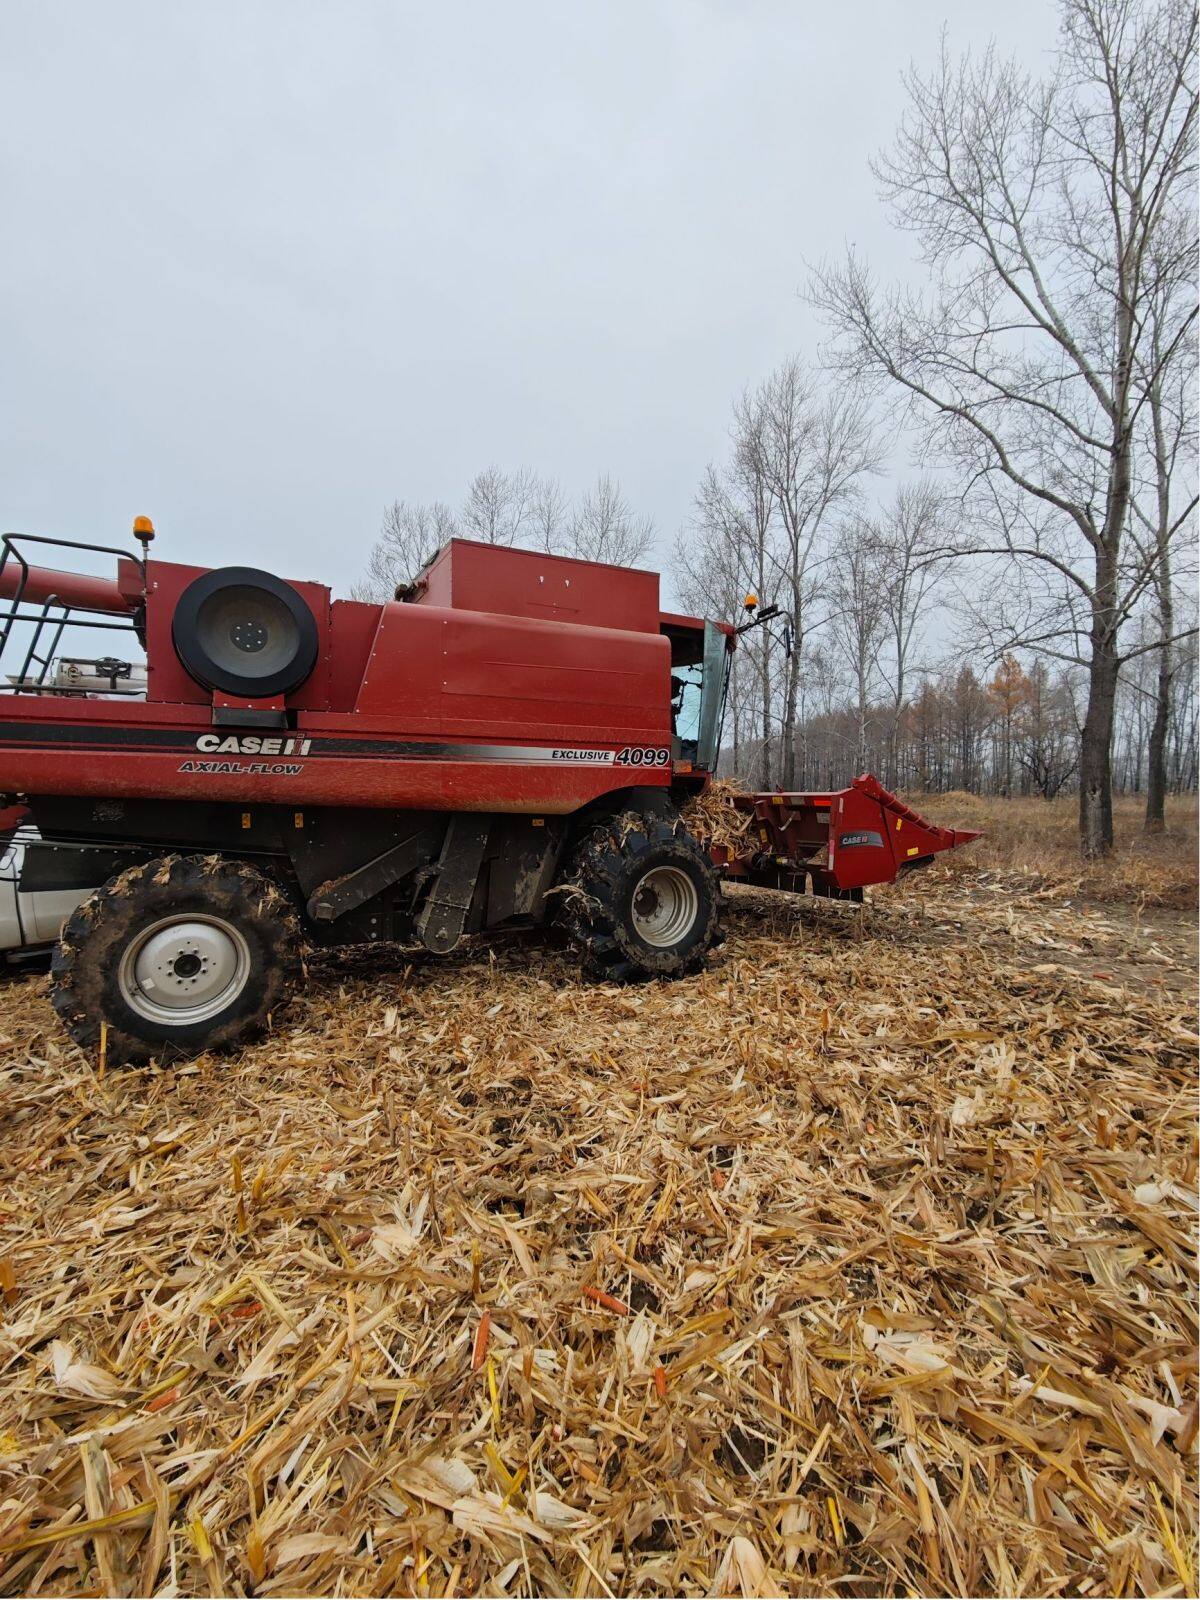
[666, 904]
[184, 969]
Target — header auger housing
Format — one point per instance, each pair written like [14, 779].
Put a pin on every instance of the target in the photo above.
[509, 742]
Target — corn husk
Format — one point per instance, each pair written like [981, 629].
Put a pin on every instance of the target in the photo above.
[715, 818]
[862, 1262]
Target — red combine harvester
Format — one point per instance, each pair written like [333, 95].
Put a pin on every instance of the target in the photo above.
[509, 742]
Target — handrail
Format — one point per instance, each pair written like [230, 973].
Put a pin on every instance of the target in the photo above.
[78, 544]
[56, 613]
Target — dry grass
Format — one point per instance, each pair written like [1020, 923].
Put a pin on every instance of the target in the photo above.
[862, 1263]
[1036, 843]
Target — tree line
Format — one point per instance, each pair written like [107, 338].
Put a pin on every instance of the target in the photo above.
[1007, 731]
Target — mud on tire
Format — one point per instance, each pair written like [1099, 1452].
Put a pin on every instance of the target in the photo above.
[181, 954]
[640, 897]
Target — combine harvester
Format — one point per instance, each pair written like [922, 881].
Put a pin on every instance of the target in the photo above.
[509, 742]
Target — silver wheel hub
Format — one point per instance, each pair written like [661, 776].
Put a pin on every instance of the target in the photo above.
[184, 969]
[666, 904]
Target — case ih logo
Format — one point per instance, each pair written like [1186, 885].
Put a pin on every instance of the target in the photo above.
[251, 744]
[248, 744]
[851, 841]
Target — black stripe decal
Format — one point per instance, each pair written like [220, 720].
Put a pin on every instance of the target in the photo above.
[83, 735]
[92, 739]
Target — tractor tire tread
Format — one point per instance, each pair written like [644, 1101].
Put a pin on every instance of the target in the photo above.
[599, 872]
[85, 959]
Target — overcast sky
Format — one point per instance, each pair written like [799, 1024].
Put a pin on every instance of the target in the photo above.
[267, 266]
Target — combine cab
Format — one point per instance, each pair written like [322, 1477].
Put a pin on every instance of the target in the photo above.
[255, 766]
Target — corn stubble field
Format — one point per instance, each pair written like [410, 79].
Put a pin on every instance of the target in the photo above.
[860, 1263]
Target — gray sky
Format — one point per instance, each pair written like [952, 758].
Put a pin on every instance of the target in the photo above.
[267, 266]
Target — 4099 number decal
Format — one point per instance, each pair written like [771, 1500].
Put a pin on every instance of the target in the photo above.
[642, 755]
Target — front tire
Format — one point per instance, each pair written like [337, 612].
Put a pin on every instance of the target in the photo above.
[640, 897]
[179, 955]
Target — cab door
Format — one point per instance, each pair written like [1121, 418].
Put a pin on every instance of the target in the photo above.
[715, 685]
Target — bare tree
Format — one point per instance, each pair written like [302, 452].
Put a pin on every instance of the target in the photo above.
[907, 539]
[604, 527]
[408, 536]
[1182, 769]
[1041, 208]
[497, 505]
[549, 516]
[707, 564]
[726, 553]
[1164, 504]
[815, 446]
[743, 500]
[859, 621]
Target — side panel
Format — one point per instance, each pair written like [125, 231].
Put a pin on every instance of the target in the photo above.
[457, 672]
[472, 576]
[861, 847]
[353, 625]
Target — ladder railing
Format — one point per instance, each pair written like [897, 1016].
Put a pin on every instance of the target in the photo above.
[49, 621]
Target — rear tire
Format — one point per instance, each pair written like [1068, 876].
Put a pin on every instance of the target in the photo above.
[640, 897]
[179, 955]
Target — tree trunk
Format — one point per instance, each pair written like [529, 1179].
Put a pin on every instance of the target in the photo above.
[787, 781]
[1156, 778]
[897, 707]
[1095, 753]
[1007, 755]
[764, 764]
[1156, 782]
[1095, 749]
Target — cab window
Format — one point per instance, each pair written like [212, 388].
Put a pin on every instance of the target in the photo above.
[687, 692]
[699, 679]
